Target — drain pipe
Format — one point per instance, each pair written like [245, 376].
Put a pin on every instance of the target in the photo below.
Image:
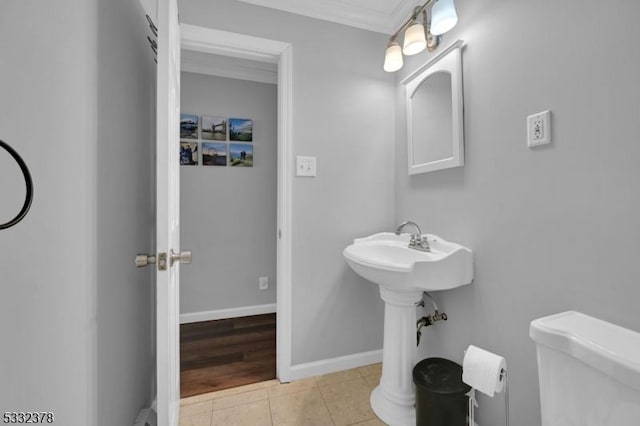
[433, 302]
[429, 319]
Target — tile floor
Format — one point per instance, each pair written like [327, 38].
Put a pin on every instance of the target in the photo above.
[337, 399]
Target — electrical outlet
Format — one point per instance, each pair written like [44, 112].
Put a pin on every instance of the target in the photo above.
[539, 129]
[305, 166]
[263, 283]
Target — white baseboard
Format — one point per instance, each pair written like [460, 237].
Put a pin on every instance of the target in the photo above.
[243, 311]
[331, 365]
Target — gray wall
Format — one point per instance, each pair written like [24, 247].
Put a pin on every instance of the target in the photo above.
[48, 261]
[63, 286]
[554, 228]
[342, 114]
[125, 212]
[228, 214]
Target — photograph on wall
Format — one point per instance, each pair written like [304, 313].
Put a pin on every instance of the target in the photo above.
[241, 129]
[188, 126]
[214, 154]
[188, 153]
[214, 128]
[241, 154]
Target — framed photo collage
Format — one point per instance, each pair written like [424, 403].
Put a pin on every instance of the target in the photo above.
[203, 141]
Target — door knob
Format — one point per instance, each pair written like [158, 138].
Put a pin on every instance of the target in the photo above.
[182, 257]
[144, 259]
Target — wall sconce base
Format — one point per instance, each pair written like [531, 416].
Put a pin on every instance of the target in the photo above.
[433, 42]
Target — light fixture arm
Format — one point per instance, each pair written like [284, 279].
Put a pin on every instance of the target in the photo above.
[433, 41]
[416, 12]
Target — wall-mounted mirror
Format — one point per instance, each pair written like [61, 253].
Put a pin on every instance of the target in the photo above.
[435, 113]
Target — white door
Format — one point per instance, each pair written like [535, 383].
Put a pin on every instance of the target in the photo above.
[168, 214]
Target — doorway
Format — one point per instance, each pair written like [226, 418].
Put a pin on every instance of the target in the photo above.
[209, 41]
[228, 217]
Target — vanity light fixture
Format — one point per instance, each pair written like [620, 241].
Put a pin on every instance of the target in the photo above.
[415, 40]
[418, 35]
[444, 17]
[393, 57]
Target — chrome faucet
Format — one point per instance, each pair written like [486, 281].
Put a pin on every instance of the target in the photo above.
[417, 241]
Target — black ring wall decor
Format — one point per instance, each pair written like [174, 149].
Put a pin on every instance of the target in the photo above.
[28, 182]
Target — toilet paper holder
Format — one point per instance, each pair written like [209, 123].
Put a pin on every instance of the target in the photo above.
[502, 379]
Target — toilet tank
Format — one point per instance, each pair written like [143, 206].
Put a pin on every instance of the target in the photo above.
[589, 371]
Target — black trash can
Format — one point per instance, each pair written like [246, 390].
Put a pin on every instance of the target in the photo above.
[441, 398]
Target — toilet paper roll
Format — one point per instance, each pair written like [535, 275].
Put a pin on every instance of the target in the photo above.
[483, 370]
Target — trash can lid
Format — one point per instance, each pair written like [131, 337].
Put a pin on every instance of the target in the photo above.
[439, 375]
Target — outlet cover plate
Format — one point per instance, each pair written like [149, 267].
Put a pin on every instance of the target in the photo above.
[305, 166]
[263, 283]
[539, 129]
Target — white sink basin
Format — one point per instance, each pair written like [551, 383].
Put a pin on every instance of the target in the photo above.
[386, 259]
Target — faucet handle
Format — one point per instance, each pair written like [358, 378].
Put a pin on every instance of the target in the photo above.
[424, 243]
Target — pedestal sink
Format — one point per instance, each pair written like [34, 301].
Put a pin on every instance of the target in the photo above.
[403, 273]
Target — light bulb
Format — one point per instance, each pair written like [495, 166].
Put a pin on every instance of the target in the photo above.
[414, 39]
[443, 17]
[393, 57]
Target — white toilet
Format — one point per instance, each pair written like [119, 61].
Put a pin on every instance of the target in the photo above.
[589, 371]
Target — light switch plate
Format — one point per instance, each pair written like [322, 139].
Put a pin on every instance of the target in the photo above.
[305, 166]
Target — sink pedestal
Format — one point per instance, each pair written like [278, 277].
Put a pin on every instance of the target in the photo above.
[393, 399]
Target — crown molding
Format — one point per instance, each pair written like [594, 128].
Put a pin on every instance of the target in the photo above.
[385, 18]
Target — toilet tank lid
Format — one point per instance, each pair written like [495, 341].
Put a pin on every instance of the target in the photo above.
[607, 347]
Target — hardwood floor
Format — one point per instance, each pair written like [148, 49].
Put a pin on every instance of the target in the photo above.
[226, 353]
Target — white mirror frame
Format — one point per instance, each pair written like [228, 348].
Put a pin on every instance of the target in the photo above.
[449, 60]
